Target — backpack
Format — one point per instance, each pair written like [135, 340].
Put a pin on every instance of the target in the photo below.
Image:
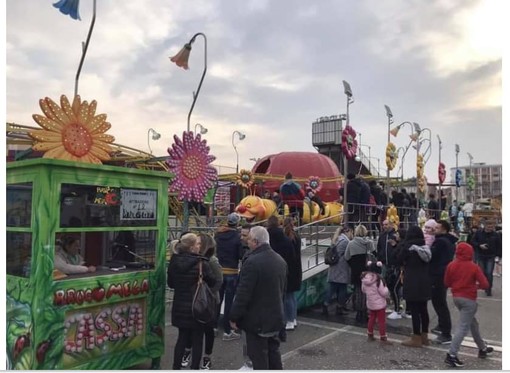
[331, 256]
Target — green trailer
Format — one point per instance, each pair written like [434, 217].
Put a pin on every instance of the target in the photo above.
[112, 318]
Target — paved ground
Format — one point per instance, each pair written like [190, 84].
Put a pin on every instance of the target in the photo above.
[339, 343]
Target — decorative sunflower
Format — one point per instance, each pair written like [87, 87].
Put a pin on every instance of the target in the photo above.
[422, 183]
[314, 183]
[391, 156]
[349, 142]
[190, 162]
[441, 172]
[245, 179]
[458, 177]
[72, 133]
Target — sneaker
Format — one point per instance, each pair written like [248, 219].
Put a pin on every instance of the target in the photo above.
[295, 322]
[290, 325]
[206, 363]
[443, 340]
[482, 354]
[394, 316]
[247, 366]
[436, 330]
[186, 358]
[406, 315]
[453, 361]
[231, 336]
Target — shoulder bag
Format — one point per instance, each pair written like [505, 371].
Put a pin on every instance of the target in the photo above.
[204, 303]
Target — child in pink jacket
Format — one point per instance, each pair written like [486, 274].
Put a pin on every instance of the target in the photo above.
[372, 284]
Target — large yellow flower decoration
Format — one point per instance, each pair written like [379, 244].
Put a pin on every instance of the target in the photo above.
[245, 179]
[73, 133]
[391, 156]
[419, 166]
[392, 216]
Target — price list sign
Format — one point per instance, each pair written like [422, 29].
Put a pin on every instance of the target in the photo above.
[138, 204]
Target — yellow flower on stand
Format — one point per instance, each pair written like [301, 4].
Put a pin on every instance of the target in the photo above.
[391, 156]
[245, 179]
[392, 216]
[72, 132]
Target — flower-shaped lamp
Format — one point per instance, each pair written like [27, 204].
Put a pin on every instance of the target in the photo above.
[182, 57]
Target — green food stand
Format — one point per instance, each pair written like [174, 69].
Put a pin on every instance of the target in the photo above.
[112, 318]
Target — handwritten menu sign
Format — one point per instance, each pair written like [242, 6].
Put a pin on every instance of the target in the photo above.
[138, 204]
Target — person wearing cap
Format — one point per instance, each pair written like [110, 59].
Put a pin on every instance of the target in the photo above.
[293, 195]
[229, 251]
[464, 278]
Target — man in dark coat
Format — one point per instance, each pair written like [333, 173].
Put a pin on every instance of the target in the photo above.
[443, 251]
[487, 244]
[230, 251]
[353, 200]
[386, 247]
[433, 207]
[258, 305]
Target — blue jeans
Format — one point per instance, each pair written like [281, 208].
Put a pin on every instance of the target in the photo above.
[227, 292]
[486, 263]
[290, 305]
[340, 290]
[467, 321]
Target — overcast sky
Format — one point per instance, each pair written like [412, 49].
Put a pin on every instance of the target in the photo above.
[274, 67]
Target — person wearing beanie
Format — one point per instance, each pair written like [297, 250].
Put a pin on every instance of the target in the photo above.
[428, 232]
[229, 249]
[373, 286]
[464, 278]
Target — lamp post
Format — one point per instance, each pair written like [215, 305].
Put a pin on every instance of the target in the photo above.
[418, 133]
[350, 100]
[394, 131]
[155, 136]
[457, 151]
[440, 147]
[471, 175]
[203, 130]
[241, 138]
[181, 60]
[389, 114]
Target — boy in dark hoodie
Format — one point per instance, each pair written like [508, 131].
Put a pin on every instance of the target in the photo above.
[464, 278]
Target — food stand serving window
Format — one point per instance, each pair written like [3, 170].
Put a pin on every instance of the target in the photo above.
[86, 244]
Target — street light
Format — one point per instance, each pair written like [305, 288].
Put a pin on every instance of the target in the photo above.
[241, 137]
[203, 130]
[181, 60]
[416, 137]
[440, 148]
[155, 136]
[457, 151]
[350, 100]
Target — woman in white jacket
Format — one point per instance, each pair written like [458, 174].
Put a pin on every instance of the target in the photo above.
[67, 257]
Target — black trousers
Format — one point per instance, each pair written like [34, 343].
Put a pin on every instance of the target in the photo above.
[197, 339]
[264, 352]
[420, 316]
[441, 306]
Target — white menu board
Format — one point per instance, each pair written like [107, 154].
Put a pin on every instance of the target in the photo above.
[138, 204]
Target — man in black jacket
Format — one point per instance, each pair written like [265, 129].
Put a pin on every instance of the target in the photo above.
[229, 250]
[443, 250]
[258, 305]
[487, 244]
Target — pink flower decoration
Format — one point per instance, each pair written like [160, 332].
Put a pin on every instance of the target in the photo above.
[314, 183]
[190, 162]
[349, 142]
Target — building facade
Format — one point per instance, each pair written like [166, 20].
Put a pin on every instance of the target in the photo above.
[488, 181]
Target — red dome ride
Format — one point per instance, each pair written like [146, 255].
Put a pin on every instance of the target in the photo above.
[301, 165]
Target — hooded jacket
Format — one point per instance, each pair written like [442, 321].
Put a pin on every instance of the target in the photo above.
[282, 245]
[463, 276]
[443, 250]
[356, 255]
[376, 295]
[229, 249]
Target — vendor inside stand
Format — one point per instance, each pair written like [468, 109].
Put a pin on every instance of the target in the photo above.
[68, 259]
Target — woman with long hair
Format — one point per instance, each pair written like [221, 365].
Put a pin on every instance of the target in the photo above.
[297, 272]
[415, 256]
[183, 272]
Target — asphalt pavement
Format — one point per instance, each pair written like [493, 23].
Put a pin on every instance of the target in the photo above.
[339, 343]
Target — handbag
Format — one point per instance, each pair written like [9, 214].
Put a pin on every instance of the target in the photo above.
[203, 307]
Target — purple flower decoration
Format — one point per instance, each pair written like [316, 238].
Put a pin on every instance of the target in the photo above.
[190, 162]
[69, 7]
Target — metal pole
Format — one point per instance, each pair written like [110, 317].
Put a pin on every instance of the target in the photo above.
[439, 196]
[417, 180]
[457, 150]
[344, 160]
[195, 94]
[84, 48]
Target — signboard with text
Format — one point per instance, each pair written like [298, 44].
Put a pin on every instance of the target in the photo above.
[138, 204]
